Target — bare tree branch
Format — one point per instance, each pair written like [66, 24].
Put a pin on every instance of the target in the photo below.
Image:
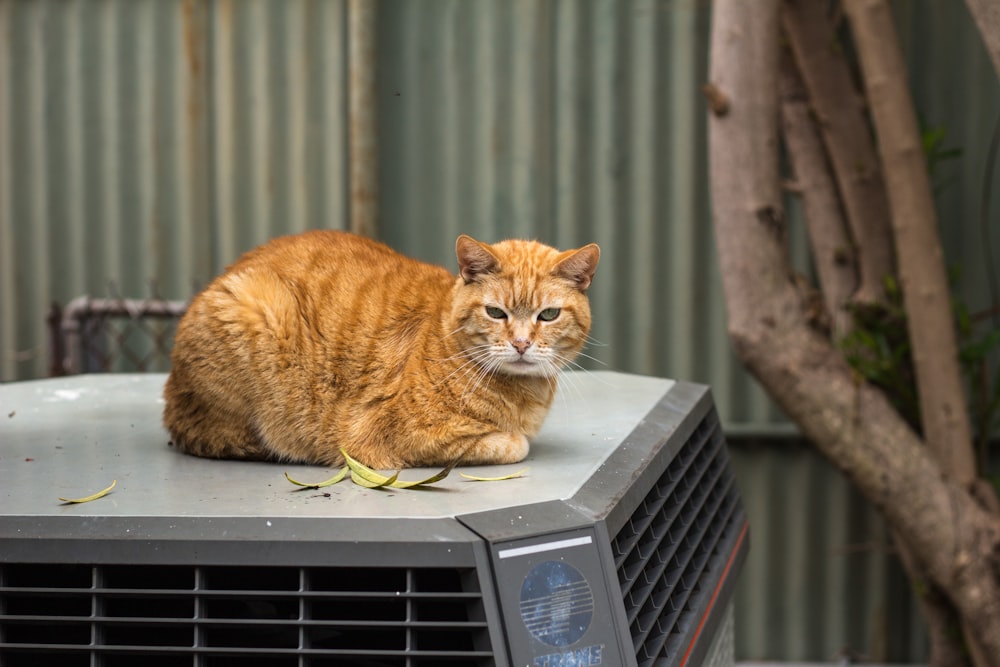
[746, 40]
[831, 245]
[946, 646]
[840, 113]
[986, 14]
[921, 263]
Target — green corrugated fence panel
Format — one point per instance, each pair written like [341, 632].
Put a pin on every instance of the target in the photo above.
[149, 141]
[822, 581]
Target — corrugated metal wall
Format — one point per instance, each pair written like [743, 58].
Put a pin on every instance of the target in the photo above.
[821, 580]
[147, 140]
[143, 140]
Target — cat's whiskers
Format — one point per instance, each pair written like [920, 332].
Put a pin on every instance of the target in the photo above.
[570, 379]
[567, 363]
[472, 357]
[463, 353]
[570, 388]
[453, 332]
[485, 370]
[570, 364]
[594, 359]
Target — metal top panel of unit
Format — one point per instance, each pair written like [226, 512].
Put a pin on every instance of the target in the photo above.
[68, 437]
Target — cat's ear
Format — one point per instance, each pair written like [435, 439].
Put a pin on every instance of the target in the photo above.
[579, 265]
[474, 258]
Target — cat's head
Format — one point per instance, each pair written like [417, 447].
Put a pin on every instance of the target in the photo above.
[521, 307]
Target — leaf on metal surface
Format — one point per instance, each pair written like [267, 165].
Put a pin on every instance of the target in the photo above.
[319, 485]
[369, 478]
[87, 499]
[365, 476]
[376, 481]
[444, 472]
[513, 475]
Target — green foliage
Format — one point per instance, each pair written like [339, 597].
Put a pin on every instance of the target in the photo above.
[878, 349]
[979, 354]
[933, 140]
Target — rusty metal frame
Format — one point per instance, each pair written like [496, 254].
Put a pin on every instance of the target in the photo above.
[76, 328]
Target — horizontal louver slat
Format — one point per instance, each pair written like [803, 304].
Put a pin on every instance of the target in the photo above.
[401, 616]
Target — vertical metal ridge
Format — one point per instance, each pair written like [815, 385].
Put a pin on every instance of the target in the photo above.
[485, 140]
[107, 140]
[74, 274]
[188, 184]
[644, 272]
[37, 156]
[570, 108]
[11, 310]
[363, 144]
[452, 98]
[223, 131]
[252, 57]
[297, 211]
[600, 195]
[681, 274]
[327, 143]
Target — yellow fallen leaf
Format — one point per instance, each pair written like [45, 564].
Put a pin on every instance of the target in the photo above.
[87, 499]
[437, 477]
[373, 479]
[370, 478]
[370, 481]
[319, 485]
[513, 475]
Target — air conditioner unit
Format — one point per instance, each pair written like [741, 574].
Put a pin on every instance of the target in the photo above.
[619, 545]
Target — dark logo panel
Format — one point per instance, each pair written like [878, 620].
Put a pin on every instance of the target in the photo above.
[557, 604]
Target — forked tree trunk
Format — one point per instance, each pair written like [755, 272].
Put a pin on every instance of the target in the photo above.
[953, 539]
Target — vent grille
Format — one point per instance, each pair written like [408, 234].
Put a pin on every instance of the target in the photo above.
[207, 616]
[666, 551]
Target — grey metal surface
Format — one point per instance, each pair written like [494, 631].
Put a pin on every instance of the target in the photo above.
[72, 436]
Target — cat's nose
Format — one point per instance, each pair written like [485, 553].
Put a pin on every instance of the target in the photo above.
[521, 345]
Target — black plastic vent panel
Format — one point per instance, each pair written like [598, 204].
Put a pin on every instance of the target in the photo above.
[666, 551]
[106, 615]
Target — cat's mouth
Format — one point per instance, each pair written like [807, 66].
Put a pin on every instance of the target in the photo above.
[525, 366]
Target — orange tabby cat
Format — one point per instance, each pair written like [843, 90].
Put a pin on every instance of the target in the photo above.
[326, 340]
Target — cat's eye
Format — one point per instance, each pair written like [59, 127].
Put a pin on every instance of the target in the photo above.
[549, 314]
[496, 313]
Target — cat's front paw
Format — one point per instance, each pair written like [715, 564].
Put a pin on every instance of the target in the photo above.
[496, 448]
